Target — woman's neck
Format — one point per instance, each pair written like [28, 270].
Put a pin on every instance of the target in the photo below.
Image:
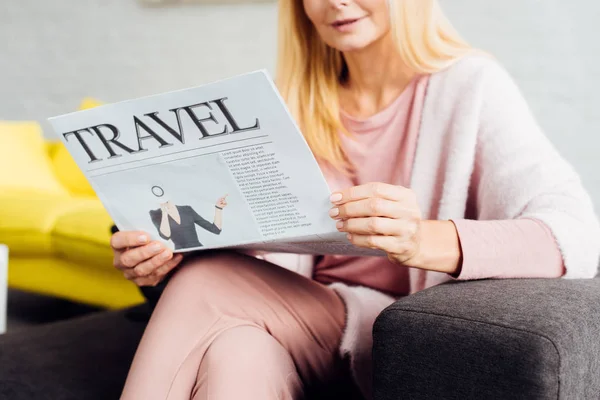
[376, 77]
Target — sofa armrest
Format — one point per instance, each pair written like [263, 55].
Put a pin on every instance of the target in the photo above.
[491, 339]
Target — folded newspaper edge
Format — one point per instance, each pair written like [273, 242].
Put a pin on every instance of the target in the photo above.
[221, 165]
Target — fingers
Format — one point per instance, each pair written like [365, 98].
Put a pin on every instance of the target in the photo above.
[398, 250]
[377, 189]
[146, 281]
[123, 240]
[389, 244]
[371, 207]
[143, 262]
[378, 226]
[157, 277]
[166, 268]
[135, 256]
[149, 267]
[222, 202]
[153, 271]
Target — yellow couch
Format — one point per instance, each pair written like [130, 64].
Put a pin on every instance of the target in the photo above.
[56, 229]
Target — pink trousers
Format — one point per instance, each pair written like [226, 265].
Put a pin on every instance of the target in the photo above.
[229, 326]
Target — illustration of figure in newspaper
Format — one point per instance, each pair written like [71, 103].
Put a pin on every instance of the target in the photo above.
[178, 222]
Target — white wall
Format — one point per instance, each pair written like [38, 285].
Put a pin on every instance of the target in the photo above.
[552, 48]
[53, 53]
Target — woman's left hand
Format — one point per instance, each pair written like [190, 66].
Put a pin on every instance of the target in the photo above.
[380, 216]
[222, 202]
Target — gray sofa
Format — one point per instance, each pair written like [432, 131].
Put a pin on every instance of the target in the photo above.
[504, 339]
[510, 339]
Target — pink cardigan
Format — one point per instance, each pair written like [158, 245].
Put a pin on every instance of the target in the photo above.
[383, 148]
[480, 158]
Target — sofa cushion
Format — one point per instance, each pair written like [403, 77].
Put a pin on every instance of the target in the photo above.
[83, 234]
[26, 219]
[69, 174]
[65, 167]
[41, 224]
[89, 102]
[491, 339]
[24, 160]
[83, 358]
[51, 147]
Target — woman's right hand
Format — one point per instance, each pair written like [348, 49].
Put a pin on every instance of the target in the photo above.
[143, 262]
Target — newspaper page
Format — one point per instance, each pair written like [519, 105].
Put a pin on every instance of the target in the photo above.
[215, 166]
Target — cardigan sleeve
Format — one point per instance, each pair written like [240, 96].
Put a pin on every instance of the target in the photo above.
[522, 187]
[518, 248]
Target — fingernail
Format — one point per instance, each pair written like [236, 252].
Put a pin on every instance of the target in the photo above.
[339, 225]
[165, 255]
[142, 239]
[334, 212]
[156, 247]
[335, 197]
[349, 236]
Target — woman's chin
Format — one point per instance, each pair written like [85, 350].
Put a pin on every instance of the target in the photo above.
[350, 44]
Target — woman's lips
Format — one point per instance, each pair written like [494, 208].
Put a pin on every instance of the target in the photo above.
[345, 25]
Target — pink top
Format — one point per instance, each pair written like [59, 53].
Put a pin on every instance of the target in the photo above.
[383, 148]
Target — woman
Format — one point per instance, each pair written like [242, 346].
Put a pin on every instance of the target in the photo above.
[434, 157]
[178, 223]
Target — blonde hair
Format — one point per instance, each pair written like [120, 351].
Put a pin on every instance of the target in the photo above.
[309, 71]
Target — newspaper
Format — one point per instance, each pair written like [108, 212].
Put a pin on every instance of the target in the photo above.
[221, 165]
